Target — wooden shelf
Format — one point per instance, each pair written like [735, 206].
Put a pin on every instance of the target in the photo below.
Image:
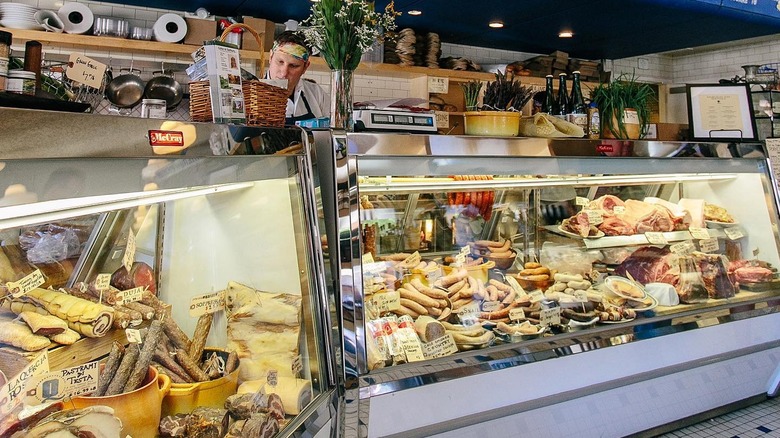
[111, 43]
[396, 70]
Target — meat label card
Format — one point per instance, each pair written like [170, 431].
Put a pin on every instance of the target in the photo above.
[734, 233]
[516, 314]
[699, 233]
[62, 384]
[209, 303]
[102, 282]
[386, 301]
[25, 284]
[11, 393]
[550, 316]
[708, 245]
[656, 238]
[130, 295]
[443, 346]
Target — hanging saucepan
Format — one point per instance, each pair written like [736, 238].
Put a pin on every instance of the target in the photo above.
[164, 86]
[125, 90]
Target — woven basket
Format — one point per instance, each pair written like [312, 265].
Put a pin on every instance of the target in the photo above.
[264, 104]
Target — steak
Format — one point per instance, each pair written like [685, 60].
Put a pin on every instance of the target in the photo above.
[752, 274]
[650, 264]
[615, 226]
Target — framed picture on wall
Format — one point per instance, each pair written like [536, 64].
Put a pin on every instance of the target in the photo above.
[720, 112]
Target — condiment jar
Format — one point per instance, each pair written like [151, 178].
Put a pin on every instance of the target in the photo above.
[153, 108]
[21, 82]
[5, 51]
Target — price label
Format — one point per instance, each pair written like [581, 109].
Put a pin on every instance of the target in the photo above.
[11, 394]
[734, 233]
[756, 251]
[491, 306]
[297, 365]
[130, 295]
[443, 346]
[129, 256]
[62, 384]
[433, 275]
[579, 200]
[386, 301]
[699, 233]
[460, 259]
[515, 286]
[517, 314]
[595, 217]
[85, 70]
[415, 256]
[682, 248]
[442, 119]
[438, 85]
[469, 314]
[133, 336]
[708, 245]
[374, 268]
[368, 258]
[580, 296]
[25, 284]
[619, 209]
[102, 282]
[536, 296]
[209, 303]
[656, 238]
[411, 345]
[550, 316]
[272, 377]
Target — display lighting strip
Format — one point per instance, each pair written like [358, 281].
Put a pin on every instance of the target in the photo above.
[49, 211]
[407, 184]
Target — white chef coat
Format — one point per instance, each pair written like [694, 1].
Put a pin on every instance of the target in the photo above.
[313, 94]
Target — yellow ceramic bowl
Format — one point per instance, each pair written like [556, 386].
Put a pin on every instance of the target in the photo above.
[480, 272]
[492, 123]
[183, 398]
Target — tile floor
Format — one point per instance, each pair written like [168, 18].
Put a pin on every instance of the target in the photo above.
[756, 421]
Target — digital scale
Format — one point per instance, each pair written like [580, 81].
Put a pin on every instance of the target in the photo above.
[398, 120]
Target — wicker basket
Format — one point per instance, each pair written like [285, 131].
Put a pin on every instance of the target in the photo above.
[264, 104]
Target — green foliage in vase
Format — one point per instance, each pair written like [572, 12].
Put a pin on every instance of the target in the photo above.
[616, 96]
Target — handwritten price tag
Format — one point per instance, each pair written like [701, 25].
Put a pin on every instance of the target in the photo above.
[443, 346]
[580, 296]
[491, 306]
[536, 296]
[58, 385]
[133, 336]
[25, 284]
[594, 216]
[550, 316]
[130, 295]
[579, 200]
[708, 245]
[386, 301]
[517, 314]
[209, 303]
[129, 257]
[734, 233]
[85, 70]
[656, 238]
[619, 209]
[368, 258]
[11, 393]
[682, 248]
[102, 282]
[699, 233]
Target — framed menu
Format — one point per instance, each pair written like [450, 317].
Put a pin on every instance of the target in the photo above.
[720, 112]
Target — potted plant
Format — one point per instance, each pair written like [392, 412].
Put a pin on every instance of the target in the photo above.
[623, 106]
[502, 106]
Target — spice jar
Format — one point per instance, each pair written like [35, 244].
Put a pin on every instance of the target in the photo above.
[153, 108]
[5, 51]
[21, 82]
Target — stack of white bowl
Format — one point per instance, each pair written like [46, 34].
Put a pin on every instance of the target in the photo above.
[18, 16]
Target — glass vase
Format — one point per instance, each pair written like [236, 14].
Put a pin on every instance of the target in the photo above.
[341, 99]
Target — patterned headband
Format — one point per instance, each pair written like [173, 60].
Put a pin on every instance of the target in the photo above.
[297, 51]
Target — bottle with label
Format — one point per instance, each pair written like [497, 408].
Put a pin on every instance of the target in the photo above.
[594, 122]
[562, 102]
[578, 112]
[549, 100]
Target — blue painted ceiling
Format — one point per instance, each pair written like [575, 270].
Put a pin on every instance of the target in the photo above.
[603, 29]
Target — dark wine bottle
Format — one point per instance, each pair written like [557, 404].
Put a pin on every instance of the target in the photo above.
[562, 102]
[549, 99]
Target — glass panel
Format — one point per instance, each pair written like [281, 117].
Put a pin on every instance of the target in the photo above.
[464, 261]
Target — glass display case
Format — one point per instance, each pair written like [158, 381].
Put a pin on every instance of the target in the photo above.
[469, 262]
[179, 271]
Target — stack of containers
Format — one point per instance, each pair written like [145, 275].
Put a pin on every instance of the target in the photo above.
[5, 51]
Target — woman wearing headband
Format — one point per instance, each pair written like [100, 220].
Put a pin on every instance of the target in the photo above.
[289, 60]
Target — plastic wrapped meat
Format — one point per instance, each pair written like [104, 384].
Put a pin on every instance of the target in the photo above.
[140, 274]
[691, 287]
[715, 276]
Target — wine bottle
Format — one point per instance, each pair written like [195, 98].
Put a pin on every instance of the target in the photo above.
[578, 111]
[562, 102]
[549, 99]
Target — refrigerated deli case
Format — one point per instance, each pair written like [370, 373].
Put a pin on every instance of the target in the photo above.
[186, 246]
[518, 286]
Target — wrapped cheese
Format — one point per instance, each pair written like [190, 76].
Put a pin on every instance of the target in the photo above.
[295, 393]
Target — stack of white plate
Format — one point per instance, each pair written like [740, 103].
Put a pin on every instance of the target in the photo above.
[18, 16]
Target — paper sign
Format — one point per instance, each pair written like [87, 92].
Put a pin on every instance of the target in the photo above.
[656, 238]
[682, 248]
[579, 200]
[515, 286]
[734, 233]
[433, 275]
[438, 85]
[374, 268]
[25, 284]
[368, 258]
[11, 393]
[297, 365]
[62, 384]
[595, 217]
[536, 296]
[129, 257]
[130, 295]
[550, 316]
[411, 345]
[517, 314]
[580, 296]
[442, 119]
[708, 245]
[491, 306]
[209, 303]
[385, 301]
[85, 71]
[443, 346]
[618, 209]
[102, 282]
[272, 377]
[133, 336]
[699, 233]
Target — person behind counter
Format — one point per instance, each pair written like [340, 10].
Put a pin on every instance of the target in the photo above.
[290, 60]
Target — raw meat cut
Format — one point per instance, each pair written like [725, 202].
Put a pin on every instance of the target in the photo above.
[752, 274]
[650, 264]
[714, 274]
[577, 224]
[615, 226]
[606, 203]
[647, 217]
[680, 216]
[691, 287]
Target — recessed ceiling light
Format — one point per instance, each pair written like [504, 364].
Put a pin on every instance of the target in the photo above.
[565, 34]
[415, 12]
[496, 24]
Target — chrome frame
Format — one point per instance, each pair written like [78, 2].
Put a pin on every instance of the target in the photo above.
[405, 152]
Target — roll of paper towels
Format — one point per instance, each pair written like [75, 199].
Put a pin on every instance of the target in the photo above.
[77, 18]
[170, 28]
[295, 393]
